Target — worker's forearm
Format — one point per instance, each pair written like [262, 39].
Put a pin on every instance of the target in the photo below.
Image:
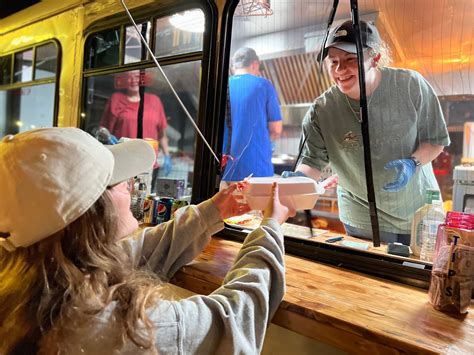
[309, 171]
[427, 152]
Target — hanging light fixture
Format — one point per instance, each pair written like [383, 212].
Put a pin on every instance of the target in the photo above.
[253, 8]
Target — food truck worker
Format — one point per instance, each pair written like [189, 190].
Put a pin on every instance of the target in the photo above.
[407, 131]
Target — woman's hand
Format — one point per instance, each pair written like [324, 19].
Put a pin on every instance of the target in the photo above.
[330, 182]
[275, 209]
[228, 203]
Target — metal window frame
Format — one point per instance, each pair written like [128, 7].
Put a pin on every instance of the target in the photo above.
[411, 272]
[11, 68]
[35, 57]
[142, 16]
[34, 82]
[32, 64]
[206, 115]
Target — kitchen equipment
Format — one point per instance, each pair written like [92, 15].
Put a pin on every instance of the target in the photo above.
[463, 191]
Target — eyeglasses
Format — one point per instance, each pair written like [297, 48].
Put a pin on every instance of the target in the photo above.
[130, 183]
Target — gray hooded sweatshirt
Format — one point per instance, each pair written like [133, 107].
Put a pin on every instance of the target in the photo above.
[231, 320]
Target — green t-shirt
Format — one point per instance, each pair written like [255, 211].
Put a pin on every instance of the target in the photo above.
[403, 112]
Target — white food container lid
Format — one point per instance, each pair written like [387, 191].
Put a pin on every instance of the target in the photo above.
[299, 193]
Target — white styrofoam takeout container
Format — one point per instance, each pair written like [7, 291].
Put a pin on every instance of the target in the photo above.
[299, 193]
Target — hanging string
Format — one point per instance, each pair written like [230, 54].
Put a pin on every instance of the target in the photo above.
[152, 55]
[332, 14]
[236, 160]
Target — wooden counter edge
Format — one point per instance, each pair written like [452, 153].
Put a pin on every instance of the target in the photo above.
[336, 332]
[321, 331]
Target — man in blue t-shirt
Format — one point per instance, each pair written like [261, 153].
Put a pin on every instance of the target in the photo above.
[254, 122]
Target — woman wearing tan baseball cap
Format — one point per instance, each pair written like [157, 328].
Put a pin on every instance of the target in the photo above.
[77, 277]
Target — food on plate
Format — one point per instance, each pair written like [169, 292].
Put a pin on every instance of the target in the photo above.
[247, 220]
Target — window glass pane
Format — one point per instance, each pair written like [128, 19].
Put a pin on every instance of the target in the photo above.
[134, 50]
[179, 33]
[26, 108]
[5, 69]
[46, 61]
[420, 97]
[102, 49]
[113, 102]
[23, 66]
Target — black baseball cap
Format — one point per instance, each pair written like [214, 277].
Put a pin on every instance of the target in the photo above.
[243, 57]
[344, 37]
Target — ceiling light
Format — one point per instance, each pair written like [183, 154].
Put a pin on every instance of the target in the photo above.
[458, 60]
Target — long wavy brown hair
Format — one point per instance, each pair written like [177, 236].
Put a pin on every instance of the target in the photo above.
[70, 277]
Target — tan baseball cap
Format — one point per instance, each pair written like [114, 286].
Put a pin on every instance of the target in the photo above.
[49, 177]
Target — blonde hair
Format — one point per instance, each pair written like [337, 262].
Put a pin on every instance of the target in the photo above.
[69, 278]
[385, 54]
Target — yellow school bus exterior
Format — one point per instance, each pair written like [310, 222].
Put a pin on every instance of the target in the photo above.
[67, 23]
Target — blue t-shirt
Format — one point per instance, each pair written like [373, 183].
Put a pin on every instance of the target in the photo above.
[254, 103]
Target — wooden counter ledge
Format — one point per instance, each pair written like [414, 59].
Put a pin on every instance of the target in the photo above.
[349, 310]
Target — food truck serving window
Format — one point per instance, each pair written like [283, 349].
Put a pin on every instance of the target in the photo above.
[415, 84]
[126, 96]
[28, 81]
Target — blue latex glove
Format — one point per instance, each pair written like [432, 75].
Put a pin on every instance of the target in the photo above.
[113, 140]
[405, 168]
[288, 174]
[167, 165]
[104, 136]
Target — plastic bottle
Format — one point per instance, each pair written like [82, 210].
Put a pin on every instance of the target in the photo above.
[138, 200]
[417, 223]
[431, 221]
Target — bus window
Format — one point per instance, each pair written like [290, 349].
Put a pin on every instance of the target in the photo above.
[5, 69]
[179, 33]
[113, 102]
[26, 108]
[31, 102]
[46, 61]
[134, 50]
[137, 102]
[102, 49]
[23, 66]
